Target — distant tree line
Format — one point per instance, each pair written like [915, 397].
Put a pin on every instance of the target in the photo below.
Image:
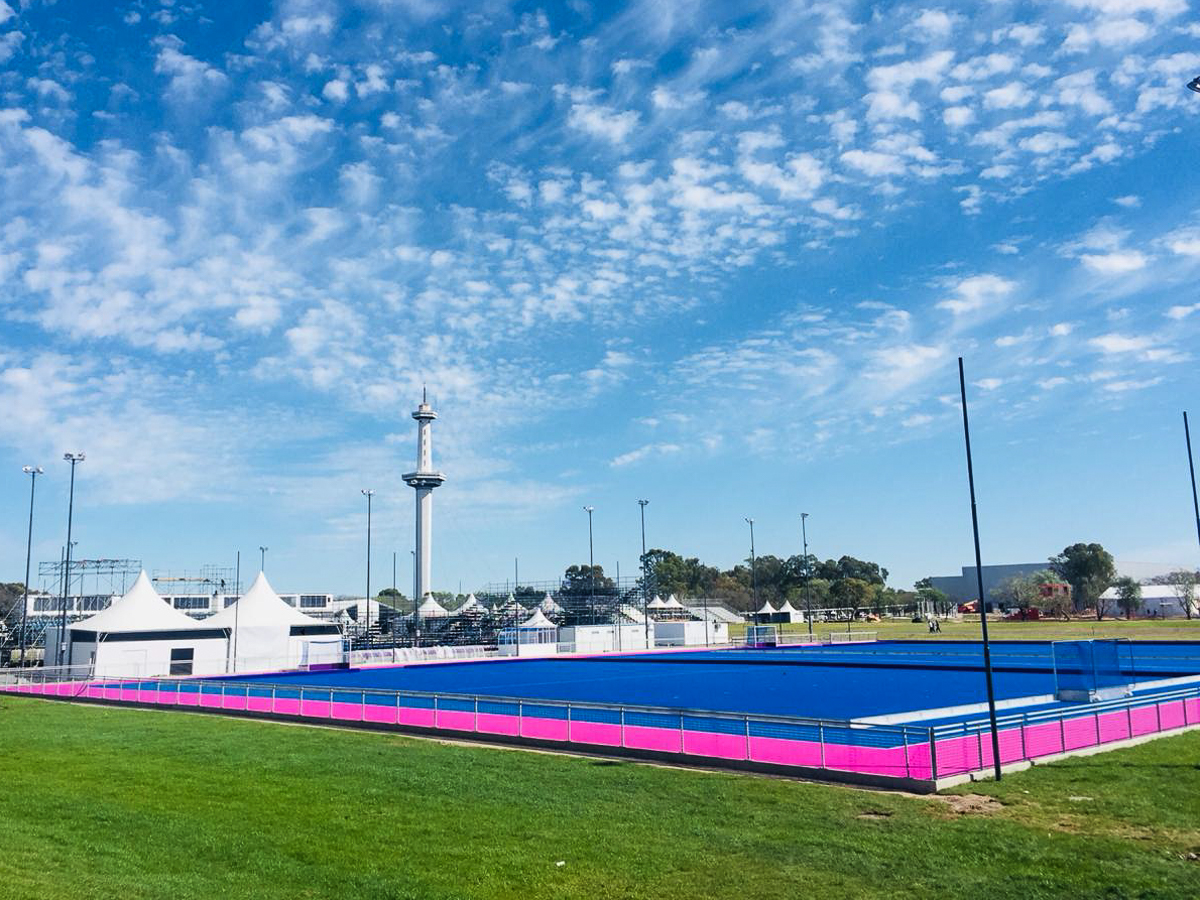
[843, 582]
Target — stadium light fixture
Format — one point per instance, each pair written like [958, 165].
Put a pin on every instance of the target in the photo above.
[805, 573]
[368, 493]
[645, 576]
[591, 568]
[33, 472]
[753, 576]
[74, 458]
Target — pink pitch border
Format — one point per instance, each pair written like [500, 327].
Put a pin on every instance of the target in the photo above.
[911, 762]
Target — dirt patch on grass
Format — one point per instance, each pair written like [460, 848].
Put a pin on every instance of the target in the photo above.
[874, 814]
[969, 804]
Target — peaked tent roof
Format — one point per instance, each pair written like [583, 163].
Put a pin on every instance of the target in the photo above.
[656, 603]
[538, 620]
[768, 608]
[260, 605]
[140, 609]
[471, 604]
[673, 603]
[430, 607]
[549, 605]
[788, 608]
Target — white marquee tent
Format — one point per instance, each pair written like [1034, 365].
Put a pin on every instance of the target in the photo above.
[656, 603]
[549, 606]
[139, 634]
[767, 609]
[793, 614]
[267, 633]
[431, 609]
[471, 605]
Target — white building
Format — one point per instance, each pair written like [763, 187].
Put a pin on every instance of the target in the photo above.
[690, 634]
[602, 638]
[267, 633]
[1158, 600]
[140, 635]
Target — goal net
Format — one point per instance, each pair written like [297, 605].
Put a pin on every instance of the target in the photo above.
[1086, 671]
[762, 636]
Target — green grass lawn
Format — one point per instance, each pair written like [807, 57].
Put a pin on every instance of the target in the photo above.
[106, 802]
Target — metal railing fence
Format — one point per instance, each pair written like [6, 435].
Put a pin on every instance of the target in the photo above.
[924, 753]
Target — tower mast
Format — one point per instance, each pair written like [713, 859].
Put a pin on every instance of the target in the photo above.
[423, 481]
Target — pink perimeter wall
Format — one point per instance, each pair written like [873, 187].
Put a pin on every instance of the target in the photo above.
[956, 755]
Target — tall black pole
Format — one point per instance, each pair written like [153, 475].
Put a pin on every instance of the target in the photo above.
[807, 598]
[72, 458]
[367, 634]
[645, 576]
[591, 570]
[237, 606]
[33, 472]
[987, 651]
[753, 575]
[1192, 470]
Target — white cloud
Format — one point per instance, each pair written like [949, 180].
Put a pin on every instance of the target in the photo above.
[988, 384]
[1121, 343]
[976, 293]
[916, 420]
[1061, 329]
[935, 24]
[958, 116]
[337, 91]
[190, 78]
[642, 453]
[1119, 262]
[1107, 33]
[1185, 245]
[1011, 96]
[1046, 142]
[1182, 312]
[602, 121]
[873, 163]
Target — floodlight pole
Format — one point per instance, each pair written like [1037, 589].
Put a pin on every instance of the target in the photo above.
[645, 576]
[1192, 471]
[807, 599]
[591, 569]
[987, 652]
[753, 576]
[237, 605]
[367, 635]
[33, 472]
[74, 459]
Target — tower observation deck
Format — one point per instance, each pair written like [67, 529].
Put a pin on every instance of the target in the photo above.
[423, 481]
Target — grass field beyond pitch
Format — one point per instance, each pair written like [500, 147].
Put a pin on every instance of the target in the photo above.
[105, 802]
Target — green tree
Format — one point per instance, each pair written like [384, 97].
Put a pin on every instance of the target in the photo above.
[1183, 583]
[1023, 591]
[577, 580]
[1129, 595]
[849, 567]
[854, 593]
[1089, 570]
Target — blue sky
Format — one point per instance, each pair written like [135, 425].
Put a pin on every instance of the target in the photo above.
[721, 256]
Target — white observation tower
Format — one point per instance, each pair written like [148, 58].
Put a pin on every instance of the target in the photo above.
[423, 481]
